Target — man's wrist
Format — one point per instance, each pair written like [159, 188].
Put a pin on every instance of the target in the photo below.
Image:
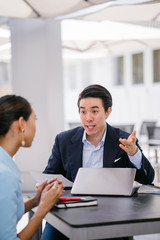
[133, 152]
[136, 159]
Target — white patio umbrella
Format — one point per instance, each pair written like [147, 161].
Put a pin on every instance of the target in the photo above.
[135, 11]
[99, 9]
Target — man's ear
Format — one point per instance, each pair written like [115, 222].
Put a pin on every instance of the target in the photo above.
[109, 110]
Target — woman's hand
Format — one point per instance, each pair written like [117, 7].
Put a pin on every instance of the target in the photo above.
[49, 196]
[40, 188]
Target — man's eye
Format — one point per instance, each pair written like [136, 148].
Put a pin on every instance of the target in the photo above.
[82, 112]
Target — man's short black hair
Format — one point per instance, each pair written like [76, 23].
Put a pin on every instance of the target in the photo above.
[97, 91]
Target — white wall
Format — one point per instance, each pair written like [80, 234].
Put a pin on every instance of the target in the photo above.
[134, 103]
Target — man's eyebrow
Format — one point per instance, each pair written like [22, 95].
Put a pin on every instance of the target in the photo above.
[91, 107]
[94, 107]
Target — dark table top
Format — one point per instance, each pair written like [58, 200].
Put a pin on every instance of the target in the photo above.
[113, 210]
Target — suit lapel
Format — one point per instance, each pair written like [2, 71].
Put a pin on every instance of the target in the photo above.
[111, 147]
[75, 152]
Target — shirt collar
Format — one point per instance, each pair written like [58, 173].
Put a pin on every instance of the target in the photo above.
[6, 159]
[84, 139]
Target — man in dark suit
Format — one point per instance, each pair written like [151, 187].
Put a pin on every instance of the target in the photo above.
[96, 144]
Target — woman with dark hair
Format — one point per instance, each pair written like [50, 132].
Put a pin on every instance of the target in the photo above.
[17, 128]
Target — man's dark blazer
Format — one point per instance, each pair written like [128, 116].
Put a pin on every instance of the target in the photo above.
[66, 157]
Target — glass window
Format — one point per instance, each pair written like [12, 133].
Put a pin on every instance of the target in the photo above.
[156, 65]
[119, 73]
[72, 76]
[86, 73]
[137, 68]
[4, 73]
[5, 60]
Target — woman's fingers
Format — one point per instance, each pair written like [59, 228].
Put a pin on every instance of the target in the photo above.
[52, 180]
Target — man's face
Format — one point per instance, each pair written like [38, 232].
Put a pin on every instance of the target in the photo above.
[93, 116]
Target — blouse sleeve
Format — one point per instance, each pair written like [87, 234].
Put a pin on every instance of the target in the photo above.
[10, 206]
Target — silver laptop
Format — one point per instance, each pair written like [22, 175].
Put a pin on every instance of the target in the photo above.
[104, 181]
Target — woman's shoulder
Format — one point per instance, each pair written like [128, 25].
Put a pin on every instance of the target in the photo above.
[7, 177]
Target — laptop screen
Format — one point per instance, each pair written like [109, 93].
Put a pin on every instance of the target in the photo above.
[104, 181]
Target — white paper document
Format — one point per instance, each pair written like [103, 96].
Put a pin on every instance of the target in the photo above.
[41, 177]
